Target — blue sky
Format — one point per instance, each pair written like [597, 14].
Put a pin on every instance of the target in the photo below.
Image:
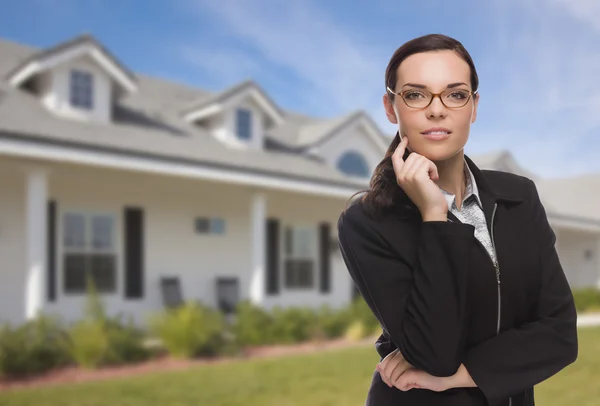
[538, 60]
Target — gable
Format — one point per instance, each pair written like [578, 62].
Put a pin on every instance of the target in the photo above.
[502, 161]
[349, 143]
[62, 54]
[245, 93]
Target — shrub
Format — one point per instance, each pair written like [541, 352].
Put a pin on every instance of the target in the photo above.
[333, 323]
[190, 330]
[356, 331]
[359, 310]
[587, 299]
[293, 324]
[253, 325]
[36, 346]
[99, 340]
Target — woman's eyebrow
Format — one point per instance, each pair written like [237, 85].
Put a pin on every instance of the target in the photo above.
[450, 86]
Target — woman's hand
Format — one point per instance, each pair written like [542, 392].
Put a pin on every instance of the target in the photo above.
[417, 379]
[392, 367]
[396, 371]
[415, 177]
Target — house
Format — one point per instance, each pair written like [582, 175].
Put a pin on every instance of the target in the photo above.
[160, 192]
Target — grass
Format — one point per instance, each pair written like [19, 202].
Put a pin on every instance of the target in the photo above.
[332, 378]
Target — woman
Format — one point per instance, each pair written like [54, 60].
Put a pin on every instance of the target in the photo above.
[457, 264]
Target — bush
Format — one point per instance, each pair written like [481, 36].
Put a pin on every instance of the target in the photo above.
[190, 330]
[35, 347]
[333, 323]
[253, 325]
[587, 299]
[356, 331]
[359, 310]
[293, 324]
[99, 340]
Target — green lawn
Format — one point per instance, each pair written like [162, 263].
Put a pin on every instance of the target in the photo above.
[332, 378]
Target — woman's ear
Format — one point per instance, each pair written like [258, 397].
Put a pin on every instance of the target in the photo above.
[390, 109]
[475, 106]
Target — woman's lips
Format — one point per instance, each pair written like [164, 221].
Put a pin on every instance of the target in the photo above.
[436, 134]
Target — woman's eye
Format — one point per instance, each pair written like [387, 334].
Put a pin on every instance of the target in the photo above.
[458, 95]
[414, 95]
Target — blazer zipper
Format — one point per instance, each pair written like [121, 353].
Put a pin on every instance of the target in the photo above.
[498, 279]
[497, 267]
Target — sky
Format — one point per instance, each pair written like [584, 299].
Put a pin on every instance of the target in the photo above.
[538, 60]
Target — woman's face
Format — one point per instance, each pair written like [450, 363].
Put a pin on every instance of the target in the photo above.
[436, 132]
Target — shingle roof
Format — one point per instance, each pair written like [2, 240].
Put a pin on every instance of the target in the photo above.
[147, 121]
[82, 39]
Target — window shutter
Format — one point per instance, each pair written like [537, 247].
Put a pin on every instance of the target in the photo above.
[134, 252]
[272, 256]
[51, 252]
[325, 256]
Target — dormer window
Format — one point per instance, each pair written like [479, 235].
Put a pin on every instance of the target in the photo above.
[82, 90]
[243, 124]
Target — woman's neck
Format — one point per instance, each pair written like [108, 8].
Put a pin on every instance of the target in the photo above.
[452, 176]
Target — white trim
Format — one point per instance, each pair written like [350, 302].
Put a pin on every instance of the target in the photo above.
[254, 93]
[372, 132]
[232, 102]
[149, 165]
[50, 62]
[375, 134]
[203, 113]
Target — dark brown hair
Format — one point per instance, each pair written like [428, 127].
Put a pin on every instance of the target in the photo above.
[383, 188]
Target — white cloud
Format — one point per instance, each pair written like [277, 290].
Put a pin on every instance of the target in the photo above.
[546, 64]
[587, 11]
[335, 74]
[223, 66]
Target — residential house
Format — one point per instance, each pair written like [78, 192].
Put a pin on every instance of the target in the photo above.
[161, 192]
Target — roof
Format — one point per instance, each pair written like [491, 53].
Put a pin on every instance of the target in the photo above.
[128, 79]
[149, 121]
[578, 197]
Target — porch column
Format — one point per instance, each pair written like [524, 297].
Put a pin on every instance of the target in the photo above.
[258, 214]
[36, 224]
[597, 256]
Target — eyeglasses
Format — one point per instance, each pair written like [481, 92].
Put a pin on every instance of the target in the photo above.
[420, 98]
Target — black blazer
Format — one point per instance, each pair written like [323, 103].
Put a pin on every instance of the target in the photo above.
[440, 300]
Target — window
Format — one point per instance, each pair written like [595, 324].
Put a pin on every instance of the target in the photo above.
[89, 251]
[243, 124]
[353, 164]
[82, 90]
[300, 253]
[206, 225]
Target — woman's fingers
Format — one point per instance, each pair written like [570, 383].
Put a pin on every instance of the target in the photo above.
[400, 368]
[398, 155]
[402, 175]
[433, 171]
[417, 167]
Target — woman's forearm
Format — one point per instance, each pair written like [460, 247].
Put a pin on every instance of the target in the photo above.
[462, 379]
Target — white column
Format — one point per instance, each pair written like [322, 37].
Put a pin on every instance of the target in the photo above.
[258, 236]
[597, 256]
[36, 225]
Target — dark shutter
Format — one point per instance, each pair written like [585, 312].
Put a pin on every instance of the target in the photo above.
[51, 252]
[325, 256]
[272, 256]
[134, 253]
